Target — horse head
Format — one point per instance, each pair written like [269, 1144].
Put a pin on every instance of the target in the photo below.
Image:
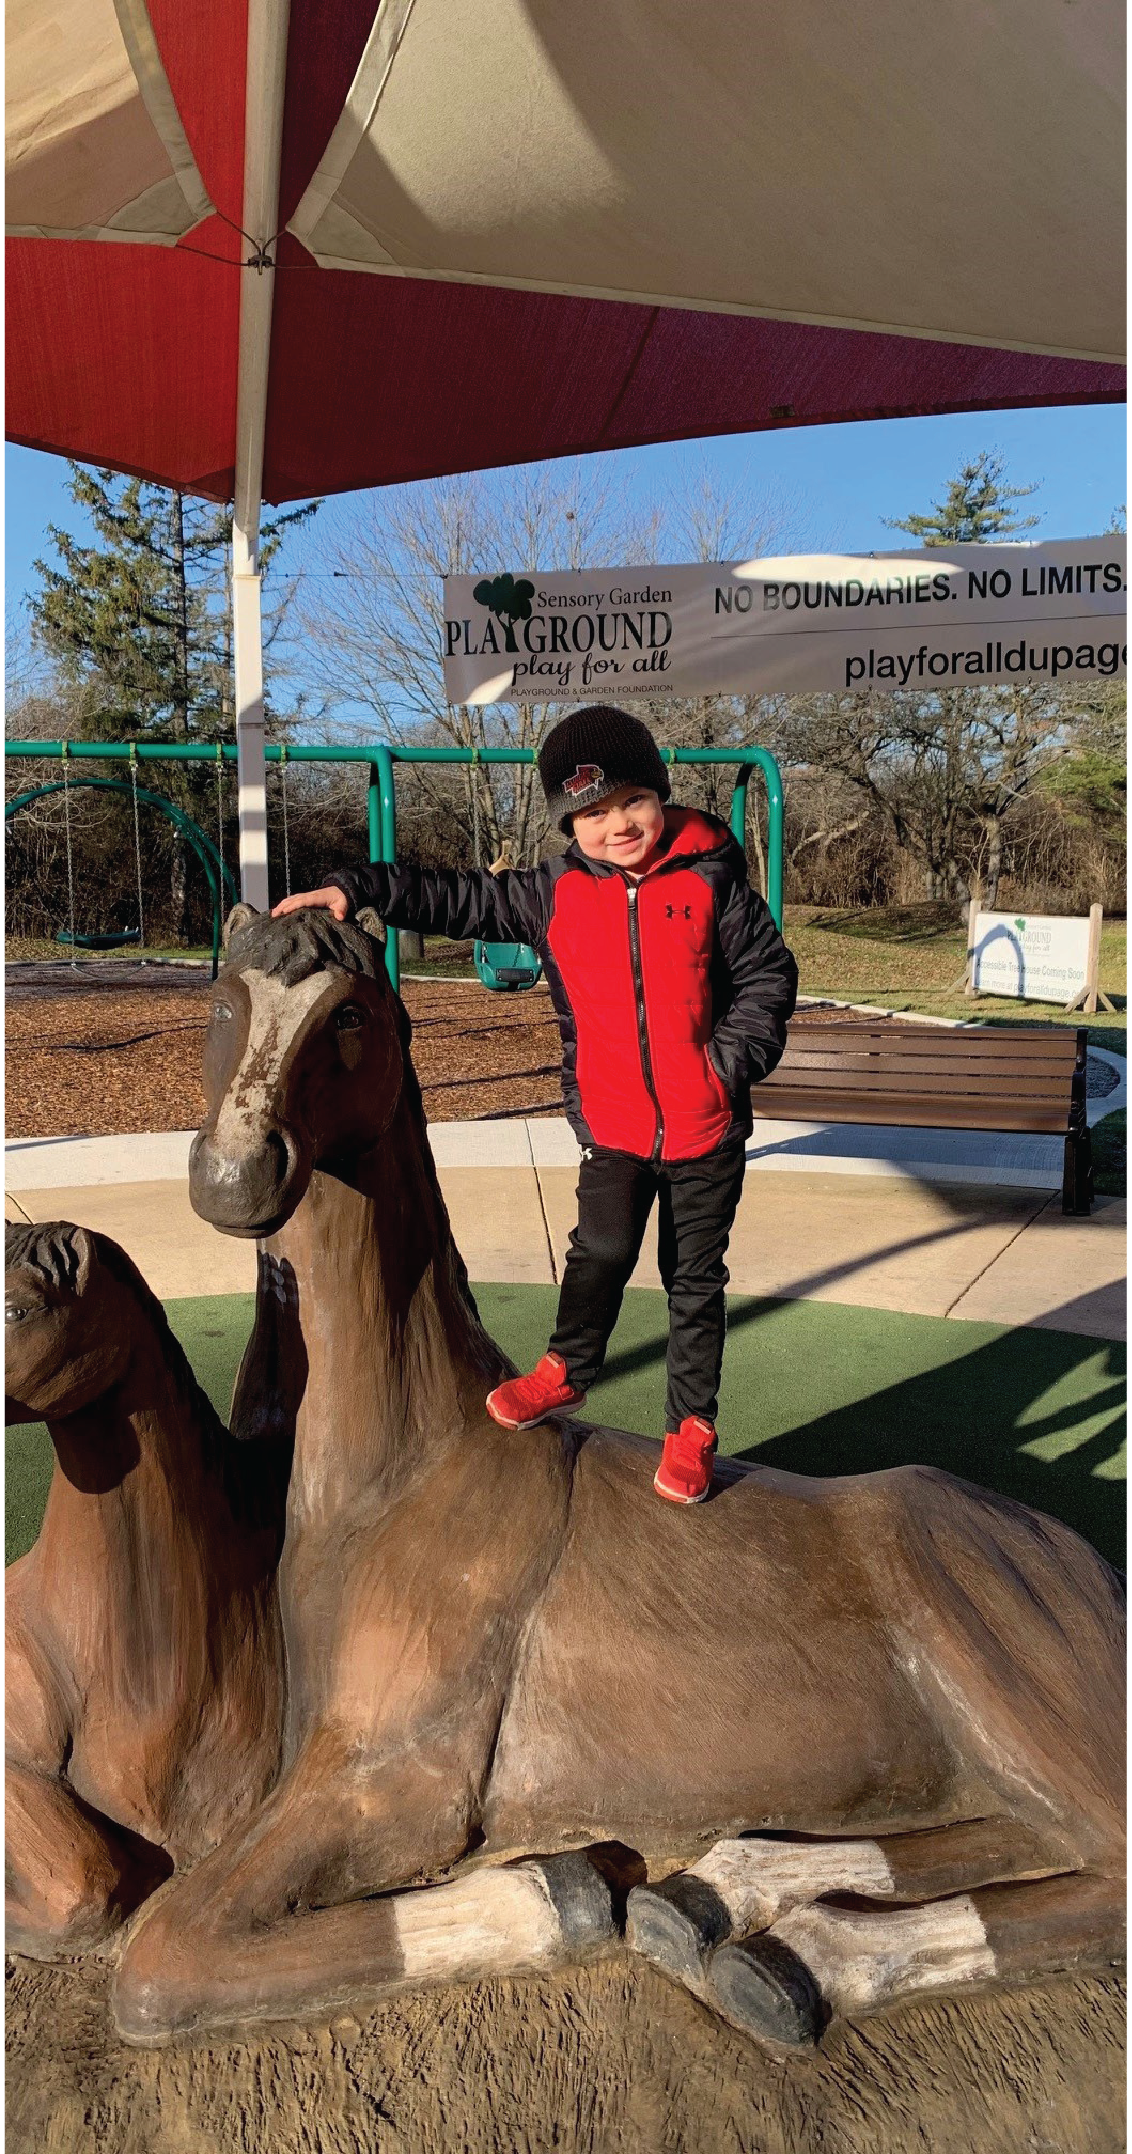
[65, 1341]
[304, 1064]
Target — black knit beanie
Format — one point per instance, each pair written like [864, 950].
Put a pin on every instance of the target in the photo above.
[592, 752]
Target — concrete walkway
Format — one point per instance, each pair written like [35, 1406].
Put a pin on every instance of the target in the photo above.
[888, 1239]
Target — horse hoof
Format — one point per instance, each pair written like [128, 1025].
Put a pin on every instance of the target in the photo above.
[675, 1925]
[765, 1990]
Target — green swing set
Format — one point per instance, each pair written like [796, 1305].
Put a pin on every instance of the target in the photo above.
[221, 883]
[505, 967]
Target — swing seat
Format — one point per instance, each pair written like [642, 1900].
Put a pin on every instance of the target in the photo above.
[506, 966]
[99, 942]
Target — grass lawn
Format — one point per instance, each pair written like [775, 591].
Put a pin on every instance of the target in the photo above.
[812, 1387]
[903, 958]
[39, 950]
[907, 957]
[898, 957]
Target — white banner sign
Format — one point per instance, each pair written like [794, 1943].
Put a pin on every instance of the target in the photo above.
[953, 616]
[1033, 959]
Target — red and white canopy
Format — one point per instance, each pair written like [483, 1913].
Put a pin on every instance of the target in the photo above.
[516, 228]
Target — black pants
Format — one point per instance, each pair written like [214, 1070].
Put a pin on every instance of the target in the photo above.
[698, 1200]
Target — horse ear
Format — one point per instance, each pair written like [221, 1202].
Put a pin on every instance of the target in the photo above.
[239, 917]
[371, 923]
[84, 1250]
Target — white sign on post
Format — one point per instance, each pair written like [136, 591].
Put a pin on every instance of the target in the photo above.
[954, 616]
[1032, 958]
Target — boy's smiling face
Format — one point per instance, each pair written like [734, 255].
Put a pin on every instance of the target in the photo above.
[623, 829]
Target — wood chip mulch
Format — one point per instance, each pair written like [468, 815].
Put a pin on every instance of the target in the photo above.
[107, 1062]
[108, 1049]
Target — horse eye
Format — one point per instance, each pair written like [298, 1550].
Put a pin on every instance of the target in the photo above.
[222, 1011]
[14, 1313]
[349, 1017]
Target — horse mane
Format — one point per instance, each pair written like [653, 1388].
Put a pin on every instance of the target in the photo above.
[44, 1247]
[291, 948]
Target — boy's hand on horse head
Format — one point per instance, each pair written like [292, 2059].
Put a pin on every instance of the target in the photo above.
[331, 897]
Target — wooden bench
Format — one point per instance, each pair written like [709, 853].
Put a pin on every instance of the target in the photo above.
[932, 1077]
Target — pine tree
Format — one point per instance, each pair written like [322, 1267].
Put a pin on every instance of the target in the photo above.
[139, 620]
[139, 624]
[975, 510]
[125, 616]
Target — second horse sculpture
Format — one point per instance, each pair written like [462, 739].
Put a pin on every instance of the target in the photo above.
[143, 1654]
[501, 1645]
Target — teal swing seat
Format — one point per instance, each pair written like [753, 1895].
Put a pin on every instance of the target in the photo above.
[506, 966]
[99, 942]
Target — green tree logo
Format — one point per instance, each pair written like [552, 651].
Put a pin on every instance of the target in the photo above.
[1020, 925]
[509, 598]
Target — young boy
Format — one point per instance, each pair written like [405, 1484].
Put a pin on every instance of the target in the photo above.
[672, 987]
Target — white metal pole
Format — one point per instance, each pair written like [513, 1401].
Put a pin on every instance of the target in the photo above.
[251, 768]
[263, 139]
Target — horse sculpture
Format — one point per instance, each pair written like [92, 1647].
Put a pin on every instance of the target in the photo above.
[144, 1663]
[500, 1646]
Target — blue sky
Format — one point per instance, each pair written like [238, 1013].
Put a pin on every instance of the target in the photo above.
[839, 481]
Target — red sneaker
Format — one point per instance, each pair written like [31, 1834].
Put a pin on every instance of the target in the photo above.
[684, 1472]
[527, 1400]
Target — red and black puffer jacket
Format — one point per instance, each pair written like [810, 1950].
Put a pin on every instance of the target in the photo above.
[672, 992]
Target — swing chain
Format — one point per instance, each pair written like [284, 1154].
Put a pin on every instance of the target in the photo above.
[137, 842]
[286, 838]
[66, 746]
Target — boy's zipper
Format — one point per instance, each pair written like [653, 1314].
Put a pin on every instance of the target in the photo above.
[642, 1020]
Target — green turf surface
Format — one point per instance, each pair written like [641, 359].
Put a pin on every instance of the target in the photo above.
[815, 1387]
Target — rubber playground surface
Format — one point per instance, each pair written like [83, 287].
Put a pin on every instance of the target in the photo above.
[812, 1387]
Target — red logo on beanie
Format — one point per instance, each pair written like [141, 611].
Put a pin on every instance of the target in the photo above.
[586, 776]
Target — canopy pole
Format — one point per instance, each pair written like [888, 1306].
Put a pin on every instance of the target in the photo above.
[263, 141]
[251, 771]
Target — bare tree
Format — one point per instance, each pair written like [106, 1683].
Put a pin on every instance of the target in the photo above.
[372, 619]
[947, 768]
[944, 770]
[39, 703]
[706, 520]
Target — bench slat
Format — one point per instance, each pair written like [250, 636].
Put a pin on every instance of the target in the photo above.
[1055, 1045]
[944, 1084]
[926, 1066]
[905, 1111]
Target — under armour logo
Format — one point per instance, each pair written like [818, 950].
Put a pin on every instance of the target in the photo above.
[685, 911]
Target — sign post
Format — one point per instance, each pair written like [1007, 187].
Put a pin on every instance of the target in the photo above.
[1091, 993]
[966, 979]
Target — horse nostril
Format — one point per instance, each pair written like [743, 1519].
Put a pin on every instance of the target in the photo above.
[281, 1153]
